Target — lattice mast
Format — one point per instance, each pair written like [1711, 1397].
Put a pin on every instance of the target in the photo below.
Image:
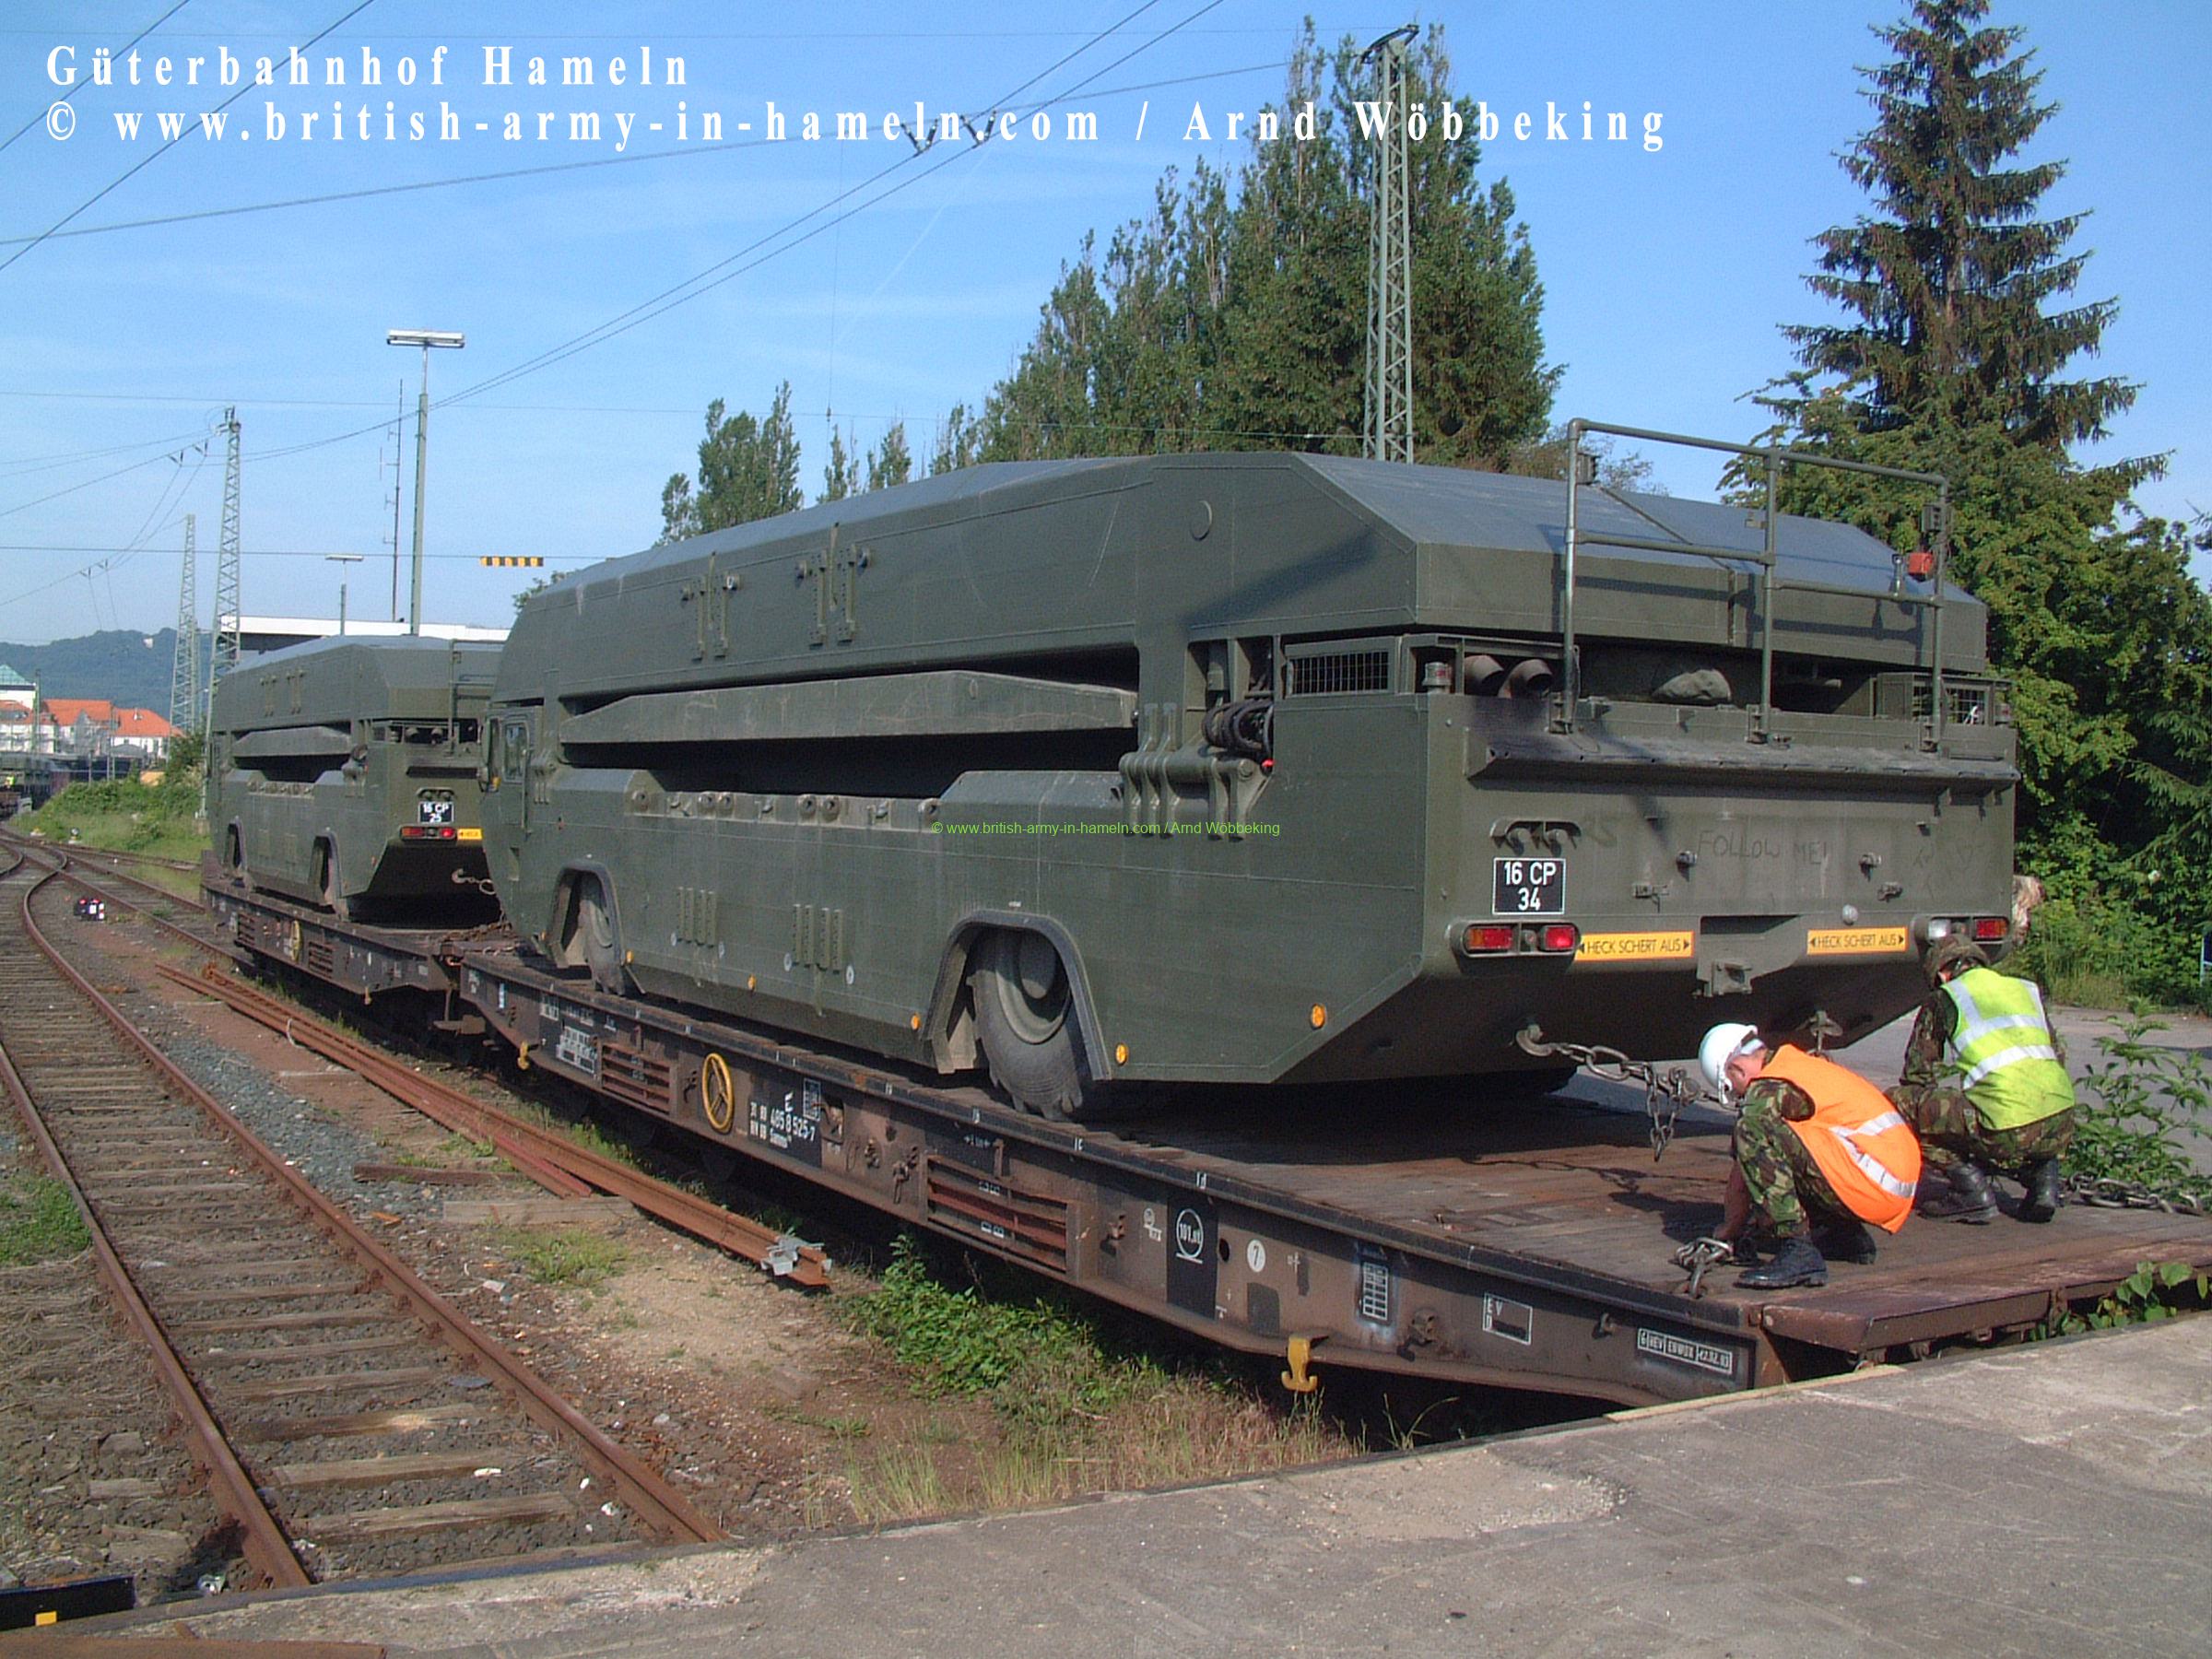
[1390, 262]
[184, 665]
[224, 657]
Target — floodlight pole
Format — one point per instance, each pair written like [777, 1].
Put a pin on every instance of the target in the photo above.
[426, 338]
[342, 560]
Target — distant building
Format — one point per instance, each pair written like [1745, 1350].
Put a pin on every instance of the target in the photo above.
[92, 728]
[25, 733]
[16, 692]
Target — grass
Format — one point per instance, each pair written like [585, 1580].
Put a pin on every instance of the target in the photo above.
[39, 1222]
[563, 1255]
[454, 1149]
[126, 816]
[1076, 1410]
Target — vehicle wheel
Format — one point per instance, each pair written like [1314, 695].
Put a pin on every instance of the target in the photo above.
[1025, 1019]
[594, 937]
[327, 882]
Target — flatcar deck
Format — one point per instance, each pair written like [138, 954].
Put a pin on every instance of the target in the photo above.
[1522, 1244]
[1570, 1183]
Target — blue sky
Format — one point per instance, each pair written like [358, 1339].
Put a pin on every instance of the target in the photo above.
[1665, 273]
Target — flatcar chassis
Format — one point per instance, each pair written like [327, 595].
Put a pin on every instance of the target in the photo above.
[1229, 1253]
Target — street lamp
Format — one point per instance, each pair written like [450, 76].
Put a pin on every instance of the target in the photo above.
[342, 560]
[426, 338]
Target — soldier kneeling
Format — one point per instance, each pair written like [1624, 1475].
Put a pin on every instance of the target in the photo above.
[1816, 1146]
[1985, 1084]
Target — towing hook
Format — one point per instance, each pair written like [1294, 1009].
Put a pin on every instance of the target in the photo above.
[1529, 1039]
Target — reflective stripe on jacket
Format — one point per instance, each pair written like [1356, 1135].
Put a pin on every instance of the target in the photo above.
[2002, 1050]
[1868, 1154]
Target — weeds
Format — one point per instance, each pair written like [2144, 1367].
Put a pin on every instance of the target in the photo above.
[39, 1222]
[2137, 1110]
[2155, 1291]
[1079, 1412]
[566, 1255]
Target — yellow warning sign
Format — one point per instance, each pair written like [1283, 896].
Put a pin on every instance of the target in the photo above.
[1636, 948]
[1856, 941]
[470, 833]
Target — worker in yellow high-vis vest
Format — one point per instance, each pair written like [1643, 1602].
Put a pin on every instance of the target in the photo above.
[1985, 1086]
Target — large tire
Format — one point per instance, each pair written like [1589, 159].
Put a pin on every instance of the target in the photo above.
[1025, 1019]
[595, 940]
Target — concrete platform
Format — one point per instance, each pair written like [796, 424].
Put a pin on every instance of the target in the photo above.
[2054, 1499]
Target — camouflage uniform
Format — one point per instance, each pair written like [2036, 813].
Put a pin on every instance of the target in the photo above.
[1946, 1120]
[1788, 1191]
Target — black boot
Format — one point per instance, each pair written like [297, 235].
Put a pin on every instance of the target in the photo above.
[2042, 1181]
[1968, 1199]
[1847, 1241]
[1797, 1262]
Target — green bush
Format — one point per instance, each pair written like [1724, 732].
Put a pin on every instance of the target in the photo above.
[2098, 952]
[2138, 1112]
[1040, 1363]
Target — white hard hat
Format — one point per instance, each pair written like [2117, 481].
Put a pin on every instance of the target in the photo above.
[1722, 1044]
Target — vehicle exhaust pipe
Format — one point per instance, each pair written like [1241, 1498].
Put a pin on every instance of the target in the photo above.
[1531, 678]
[1481, 675]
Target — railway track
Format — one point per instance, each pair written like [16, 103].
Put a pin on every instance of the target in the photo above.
[553, 1161]
[349, 1418]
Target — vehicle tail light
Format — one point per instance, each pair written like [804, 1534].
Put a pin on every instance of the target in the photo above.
[1483, 938]
[1988, 930]
[427, 833]
[1559, 935]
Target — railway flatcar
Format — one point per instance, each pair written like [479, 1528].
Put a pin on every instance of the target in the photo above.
[346, 776]
[1254, 769]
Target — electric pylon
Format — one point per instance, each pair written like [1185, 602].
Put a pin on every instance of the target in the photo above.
[1390, 263]
[184, 668]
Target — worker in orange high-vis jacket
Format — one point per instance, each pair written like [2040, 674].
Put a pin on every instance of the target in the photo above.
[1817, 1148]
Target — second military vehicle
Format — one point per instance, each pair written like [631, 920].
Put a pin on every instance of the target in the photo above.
[1253, 768]
[346, 775]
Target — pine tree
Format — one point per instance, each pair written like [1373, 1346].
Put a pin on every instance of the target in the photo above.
[1950, 282]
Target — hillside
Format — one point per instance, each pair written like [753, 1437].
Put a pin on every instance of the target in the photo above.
[131, 669]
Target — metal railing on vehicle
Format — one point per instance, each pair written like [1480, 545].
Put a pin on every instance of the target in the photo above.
[1582, 474]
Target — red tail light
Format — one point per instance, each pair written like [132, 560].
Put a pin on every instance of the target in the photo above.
[1990, 930]
[1559, 935]
[1484, 939]
[427, 833]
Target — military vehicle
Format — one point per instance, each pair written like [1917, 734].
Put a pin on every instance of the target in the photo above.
[1254, 769]
[345, 776]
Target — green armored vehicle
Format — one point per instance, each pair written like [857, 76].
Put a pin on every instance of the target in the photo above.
[347, 777]
[1252, 769]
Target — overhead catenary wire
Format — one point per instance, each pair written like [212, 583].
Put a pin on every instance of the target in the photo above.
[738, 264]
[367, 192]
[144, 162]
[72, 92]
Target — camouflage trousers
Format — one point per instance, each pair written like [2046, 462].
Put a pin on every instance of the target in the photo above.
[1788, 1191]
[1950, 1128]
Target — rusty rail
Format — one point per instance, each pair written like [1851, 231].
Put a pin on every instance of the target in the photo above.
[517, 1139]
[262, 1540]
[656, 1504]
